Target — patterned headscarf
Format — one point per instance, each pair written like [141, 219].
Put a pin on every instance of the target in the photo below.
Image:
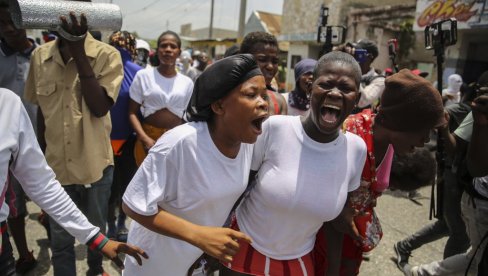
[298, 98]
[124, 40]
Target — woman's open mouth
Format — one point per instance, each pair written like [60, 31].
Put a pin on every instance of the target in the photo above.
[257, 124]
[330, 113]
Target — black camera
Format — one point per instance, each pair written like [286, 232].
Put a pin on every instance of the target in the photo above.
[333, 35]
[441, 34]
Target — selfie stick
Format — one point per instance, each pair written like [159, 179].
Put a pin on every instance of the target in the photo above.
[323, 16]
[438, 41]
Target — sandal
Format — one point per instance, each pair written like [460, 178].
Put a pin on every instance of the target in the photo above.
[24, 265]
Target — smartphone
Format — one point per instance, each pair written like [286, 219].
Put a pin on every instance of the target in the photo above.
[392, 47]
[360, 55]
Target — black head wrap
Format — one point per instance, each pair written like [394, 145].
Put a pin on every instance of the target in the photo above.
[217, 81]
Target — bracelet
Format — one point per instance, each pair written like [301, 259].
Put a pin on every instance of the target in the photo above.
[69, 36]
[97, 242]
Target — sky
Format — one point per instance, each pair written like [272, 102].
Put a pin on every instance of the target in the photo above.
[149, 18]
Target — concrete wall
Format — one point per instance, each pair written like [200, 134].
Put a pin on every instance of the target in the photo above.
[376, 3]
[300, 27]
[300, 18]
[298, 49]
[468, 57]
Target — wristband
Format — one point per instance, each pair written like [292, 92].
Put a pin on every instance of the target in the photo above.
[69, 36]
[97, 242]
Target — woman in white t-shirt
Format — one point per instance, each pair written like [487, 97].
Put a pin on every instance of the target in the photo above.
[185, 188]
[305, 167]
[160, 94]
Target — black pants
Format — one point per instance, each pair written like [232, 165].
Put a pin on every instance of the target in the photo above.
[483, 265]
[124, 169]
[7, 261]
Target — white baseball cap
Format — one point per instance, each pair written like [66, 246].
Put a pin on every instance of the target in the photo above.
[142, 44]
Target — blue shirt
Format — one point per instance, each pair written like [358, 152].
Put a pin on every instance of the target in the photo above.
[121, 128]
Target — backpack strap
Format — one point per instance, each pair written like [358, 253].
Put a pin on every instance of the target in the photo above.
[369, 79]
[274, 101]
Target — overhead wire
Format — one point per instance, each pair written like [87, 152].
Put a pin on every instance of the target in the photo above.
[142, 9]
[195, 8]
[171, 9]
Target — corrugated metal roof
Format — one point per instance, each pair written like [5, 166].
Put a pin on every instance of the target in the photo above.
[271, 21]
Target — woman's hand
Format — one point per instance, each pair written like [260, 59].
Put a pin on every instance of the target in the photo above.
[344, 223]
[148, 143]
[112, 248]
[218, 242]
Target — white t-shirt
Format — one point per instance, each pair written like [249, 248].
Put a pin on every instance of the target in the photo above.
[19, 144]
[153, 92]
[456, 97]
[371, 93]
[186, 175]
[465, 131]
[300, 184]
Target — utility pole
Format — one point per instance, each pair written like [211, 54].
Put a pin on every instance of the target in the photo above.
[210, 30]
[242, 20]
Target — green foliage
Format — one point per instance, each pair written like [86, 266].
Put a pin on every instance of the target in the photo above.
[406, 39]
[153, 43]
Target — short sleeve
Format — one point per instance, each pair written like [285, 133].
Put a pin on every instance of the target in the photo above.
[111, 74]
[465, 129]
[150, 184]
[135, 90]
[260, 147]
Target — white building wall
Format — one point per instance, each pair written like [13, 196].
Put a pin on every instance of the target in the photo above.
[297, 49]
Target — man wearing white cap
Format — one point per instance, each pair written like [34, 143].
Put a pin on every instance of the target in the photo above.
[143, 49]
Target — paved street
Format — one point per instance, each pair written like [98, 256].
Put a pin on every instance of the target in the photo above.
[399, 217]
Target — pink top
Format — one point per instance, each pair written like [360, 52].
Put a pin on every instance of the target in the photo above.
[383, 171]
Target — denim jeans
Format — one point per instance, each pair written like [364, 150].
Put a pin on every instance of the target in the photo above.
[93, 202]
[451, 224]
[7, 261]
[475, 214]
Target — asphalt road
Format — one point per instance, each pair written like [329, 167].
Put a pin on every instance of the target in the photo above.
[399, 217]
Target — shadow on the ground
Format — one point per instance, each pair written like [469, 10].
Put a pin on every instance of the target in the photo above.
[43, 259]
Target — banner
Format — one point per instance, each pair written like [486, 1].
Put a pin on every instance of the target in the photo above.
[468, 13]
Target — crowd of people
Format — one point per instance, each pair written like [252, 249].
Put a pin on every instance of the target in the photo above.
[217, 168]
